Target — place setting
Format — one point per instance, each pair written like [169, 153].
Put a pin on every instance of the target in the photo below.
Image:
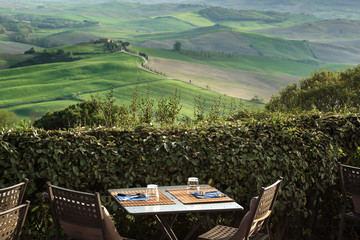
[150, 196]
[193, 193]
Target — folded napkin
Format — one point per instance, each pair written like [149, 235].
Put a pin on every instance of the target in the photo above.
[208, 194]
[131, 197]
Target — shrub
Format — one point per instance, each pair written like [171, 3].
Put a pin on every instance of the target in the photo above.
[7, 118]
[236, 157]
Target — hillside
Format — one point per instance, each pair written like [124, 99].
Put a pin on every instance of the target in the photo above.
[232, 82]
[330, 40]
[338, 30]
[71, 37]
[332, 9]
[223, 39]
[36, 89]
[12, 52]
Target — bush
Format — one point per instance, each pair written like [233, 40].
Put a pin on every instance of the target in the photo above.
[7, 118]
[236, 157]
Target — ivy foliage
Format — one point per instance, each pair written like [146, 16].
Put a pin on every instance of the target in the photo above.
[237, 157]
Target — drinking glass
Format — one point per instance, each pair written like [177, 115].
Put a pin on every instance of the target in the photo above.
[193, 184]
[152, 192]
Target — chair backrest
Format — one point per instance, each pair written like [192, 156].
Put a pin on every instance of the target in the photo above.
[77, 208]
[350, 184]
[262, 208]
[12, 221]
[349, 179]
[11, 197]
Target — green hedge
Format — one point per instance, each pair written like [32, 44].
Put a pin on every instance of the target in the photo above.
[237, 157]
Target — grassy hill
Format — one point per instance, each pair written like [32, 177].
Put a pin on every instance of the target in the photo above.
[35, 89]
[224, 39]
[241, 76]
[332, 41]
[12, 52]
[71, 37]
[330, 9]
[238, 61]
[320, 31]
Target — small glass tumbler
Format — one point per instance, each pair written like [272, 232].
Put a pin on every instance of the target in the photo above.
[193, 184]
[152, 192]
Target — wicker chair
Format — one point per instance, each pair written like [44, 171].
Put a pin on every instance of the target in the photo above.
[253, 221]
[12, 221]
[12, 196]
[81, 215]
[350, 186]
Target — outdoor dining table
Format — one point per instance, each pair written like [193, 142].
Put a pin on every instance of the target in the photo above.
[174, 200]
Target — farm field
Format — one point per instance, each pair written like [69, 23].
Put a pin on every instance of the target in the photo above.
[235, 83]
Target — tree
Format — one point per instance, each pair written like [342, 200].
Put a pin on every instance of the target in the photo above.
[30, 51]
[2, 29]
[177, 46]
[7, 118]
[257, 99]
[112, 46]
[324, 91]
[168, 109]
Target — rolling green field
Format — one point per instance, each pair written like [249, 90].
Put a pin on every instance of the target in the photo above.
[39, 88]
[60, 80]
[245, 62]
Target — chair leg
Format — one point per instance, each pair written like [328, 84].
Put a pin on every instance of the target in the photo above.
[341, 228]
[57, 230]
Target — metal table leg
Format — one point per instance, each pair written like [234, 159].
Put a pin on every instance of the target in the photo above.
[166, 226]
[171, 225]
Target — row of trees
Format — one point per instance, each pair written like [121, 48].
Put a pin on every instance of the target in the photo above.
[141, 110]
[46, 57]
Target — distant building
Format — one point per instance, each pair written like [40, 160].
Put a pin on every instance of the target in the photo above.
[105, 40]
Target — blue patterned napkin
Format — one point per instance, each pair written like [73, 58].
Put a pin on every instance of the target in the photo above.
[208, 194]
[131, 197]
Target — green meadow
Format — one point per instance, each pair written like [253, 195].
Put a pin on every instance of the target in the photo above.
[245, 62]
[49, 87]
